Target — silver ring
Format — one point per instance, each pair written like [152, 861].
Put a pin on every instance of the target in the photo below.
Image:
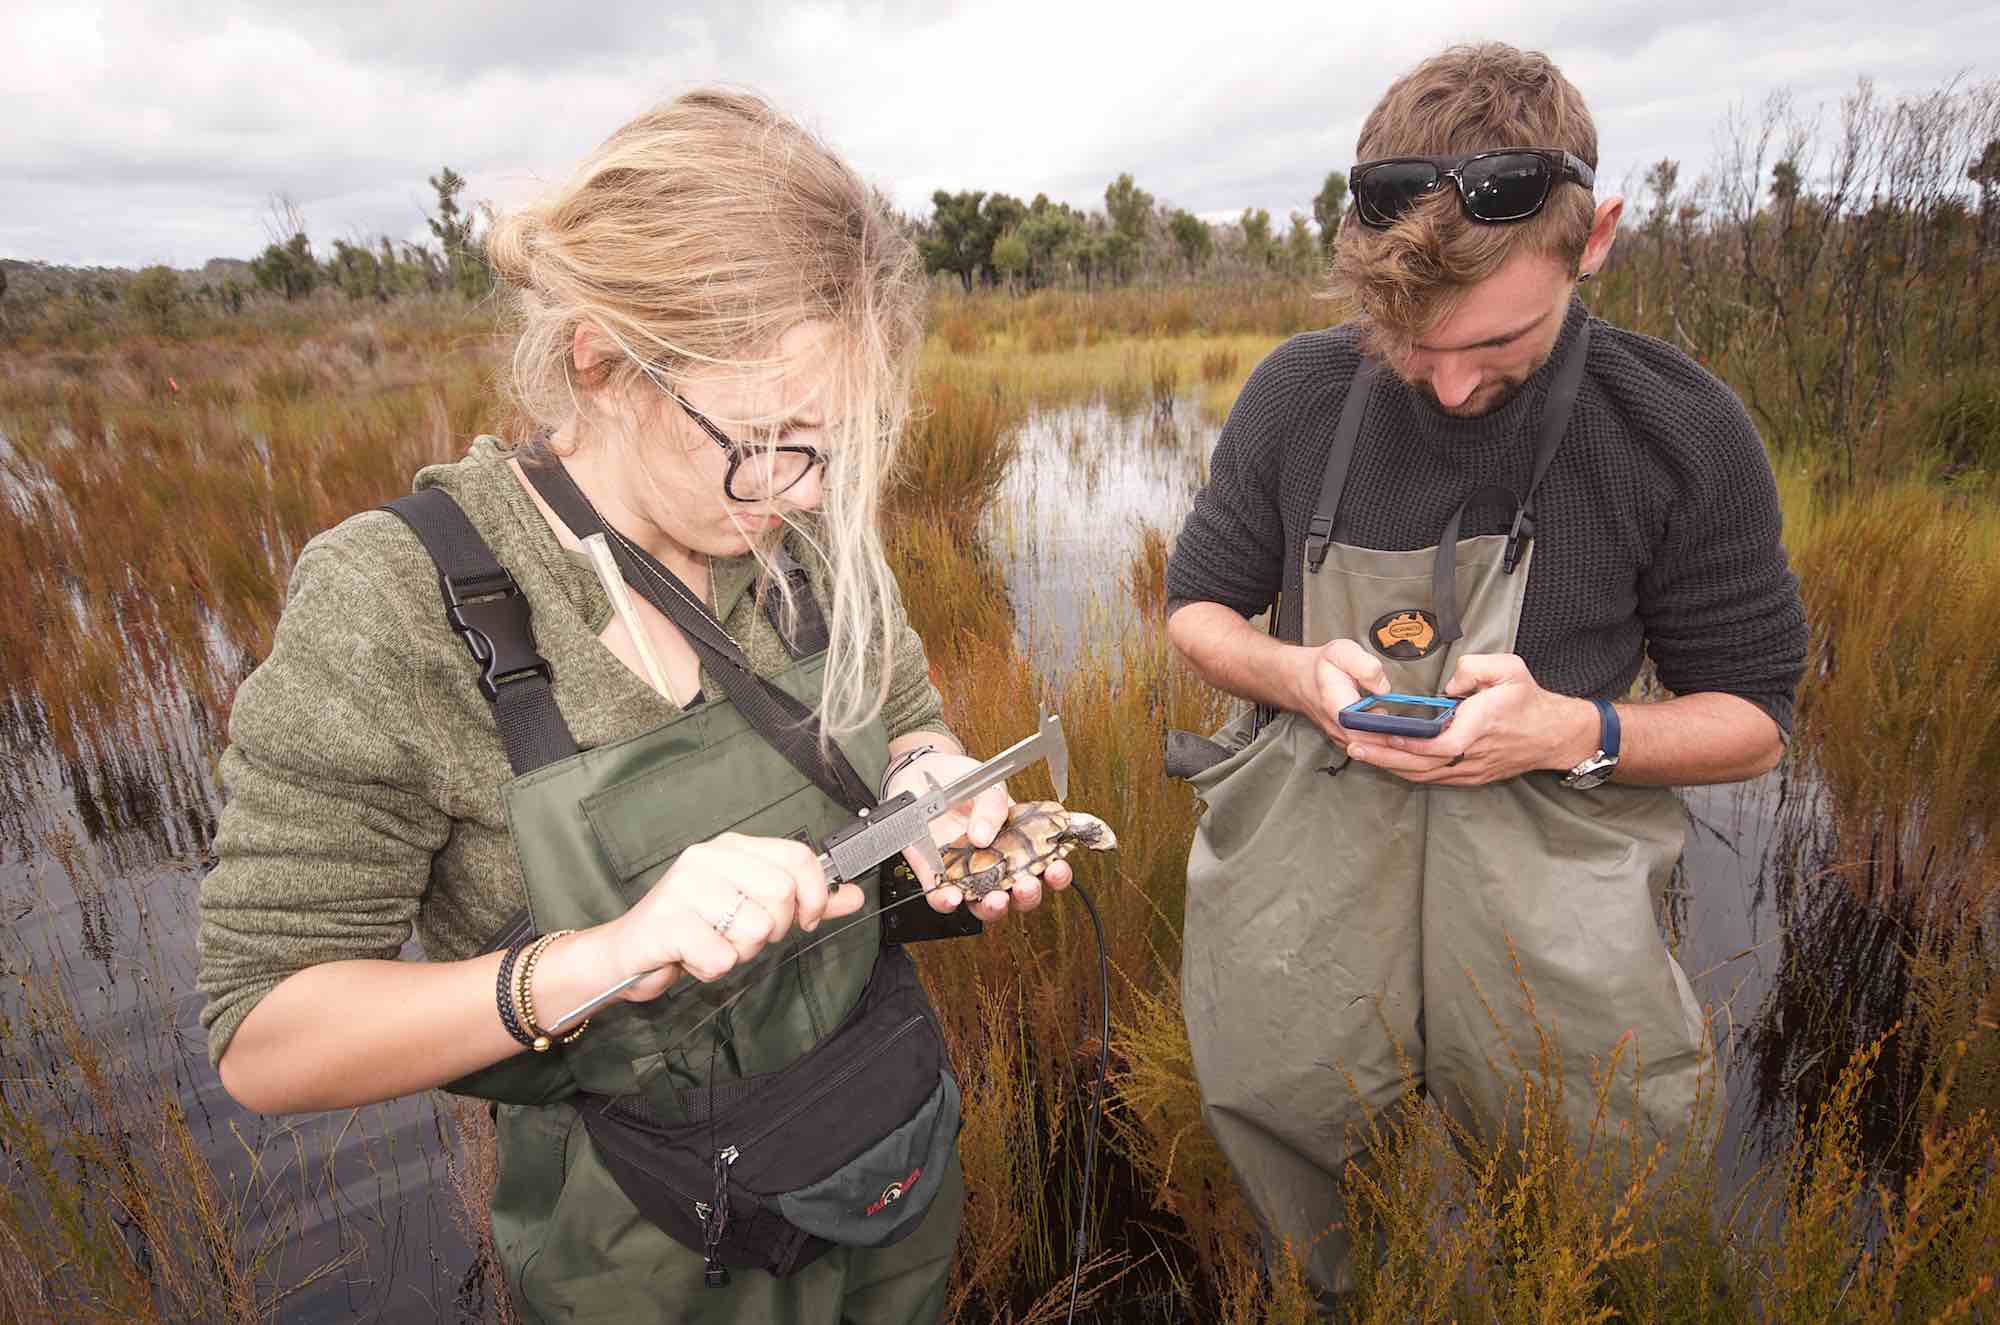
[722, 925]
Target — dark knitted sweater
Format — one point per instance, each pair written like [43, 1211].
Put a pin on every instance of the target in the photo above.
[1657, 526]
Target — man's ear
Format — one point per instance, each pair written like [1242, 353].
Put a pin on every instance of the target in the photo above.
[1603, 234]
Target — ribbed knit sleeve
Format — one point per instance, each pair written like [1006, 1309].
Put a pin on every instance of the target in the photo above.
[1231, 550]
[325, 850]
[1719, 602]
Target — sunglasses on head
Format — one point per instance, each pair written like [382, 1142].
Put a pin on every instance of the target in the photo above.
[1494, 187]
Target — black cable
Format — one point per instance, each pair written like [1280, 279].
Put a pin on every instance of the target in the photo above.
[1096, 1095]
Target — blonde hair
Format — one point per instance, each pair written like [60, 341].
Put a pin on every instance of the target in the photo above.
[1466, 99]
[693, 238]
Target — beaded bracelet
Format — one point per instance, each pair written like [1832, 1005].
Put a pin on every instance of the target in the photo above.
[503, 994]
[525, 997]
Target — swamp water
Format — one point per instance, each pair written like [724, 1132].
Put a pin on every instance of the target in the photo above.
[101, 853]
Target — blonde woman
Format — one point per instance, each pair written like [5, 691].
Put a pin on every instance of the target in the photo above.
[718, 329]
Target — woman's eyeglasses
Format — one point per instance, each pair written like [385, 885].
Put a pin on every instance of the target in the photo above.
[1494, 187]
[756, 472]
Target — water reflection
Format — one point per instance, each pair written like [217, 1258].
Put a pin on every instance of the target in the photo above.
[1089, 478]
[100, 867]
[101, 850]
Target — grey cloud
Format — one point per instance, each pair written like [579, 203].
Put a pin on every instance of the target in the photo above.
[206, 110]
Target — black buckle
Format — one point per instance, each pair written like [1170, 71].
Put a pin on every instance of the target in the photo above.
[491, 615]
[1319, 533]
[1518, 538]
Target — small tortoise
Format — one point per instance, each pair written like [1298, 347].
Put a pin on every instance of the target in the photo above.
[1036, 832]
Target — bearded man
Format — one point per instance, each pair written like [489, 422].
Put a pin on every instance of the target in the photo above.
[1476, 489]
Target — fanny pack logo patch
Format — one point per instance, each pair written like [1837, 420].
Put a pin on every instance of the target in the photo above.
[1405, 635]
[894, 1192]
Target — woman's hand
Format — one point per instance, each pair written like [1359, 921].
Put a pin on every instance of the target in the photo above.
[718, 907]
[977, 820]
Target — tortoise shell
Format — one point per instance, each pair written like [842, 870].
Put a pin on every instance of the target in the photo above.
[1036, 832]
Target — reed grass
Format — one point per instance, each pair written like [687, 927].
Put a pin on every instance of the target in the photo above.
[1128, 375]
[1899, 717]
[144, 539]
[114, 1213]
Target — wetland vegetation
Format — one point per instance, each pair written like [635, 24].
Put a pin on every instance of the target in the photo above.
[156, 483]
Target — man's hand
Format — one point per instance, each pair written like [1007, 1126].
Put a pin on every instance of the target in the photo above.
[1336, 674]
[1506, 725]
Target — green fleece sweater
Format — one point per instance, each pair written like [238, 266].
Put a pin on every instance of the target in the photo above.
[363, 771]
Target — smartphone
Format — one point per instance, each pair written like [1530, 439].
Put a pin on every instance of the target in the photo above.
[1399, 715]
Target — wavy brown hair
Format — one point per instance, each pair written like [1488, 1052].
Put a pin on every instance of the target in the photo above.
[1463, 100]
[693, 238]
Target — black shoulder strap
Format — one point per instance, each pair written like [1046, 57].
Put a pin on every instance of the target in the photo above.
[808, 634]
[784, 721]
[487, 609]
[1339, 459]
[1288, 616]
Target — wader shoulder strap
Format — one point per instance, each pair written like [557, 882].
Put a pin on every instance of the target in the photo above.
[489, 612]
[787, 723]
[1555, 424]
[1339, 459]
[1288, 617]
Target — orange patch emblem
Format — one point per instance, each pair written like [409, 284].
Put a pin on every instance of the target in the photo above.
[1405, 635]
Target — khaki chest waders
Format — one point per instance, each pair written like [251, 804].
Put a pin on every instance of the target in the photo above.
[592, 831]
[1342, 921]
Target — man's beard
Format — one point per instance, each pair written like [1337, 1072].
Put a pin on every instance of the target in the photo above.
[1490, 397]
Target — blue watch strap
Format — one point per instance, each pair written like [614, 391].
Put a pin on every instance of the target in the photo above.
[1607, 731]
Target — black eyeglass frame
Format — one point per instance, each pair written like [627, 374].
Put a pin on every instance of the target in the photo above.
[1564, 165]
[738, 452]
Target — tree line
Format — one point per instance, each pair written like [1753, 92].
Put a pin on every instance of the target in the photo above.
[997, 240]
[291, 267]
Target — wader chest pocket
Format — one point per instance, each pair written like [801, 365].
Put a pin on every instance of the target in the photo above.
[643, 822]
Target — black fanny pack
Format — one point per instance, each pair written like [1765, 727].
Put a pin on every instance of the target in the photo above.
[847, 1146]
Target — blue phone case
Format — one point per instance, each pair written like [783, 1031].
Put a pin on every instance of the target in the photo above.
[1359, 716]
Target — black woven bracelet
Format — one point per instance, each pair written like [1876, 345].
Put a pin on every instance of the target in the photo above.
[901, 762]
[503, 993]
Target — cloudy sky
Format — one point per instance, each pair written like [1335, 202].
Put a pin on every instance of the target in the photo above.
[158, 132]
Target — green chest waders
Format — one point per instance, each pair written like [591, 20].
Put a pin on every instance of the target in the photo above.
[592, 831]
[1342, 921]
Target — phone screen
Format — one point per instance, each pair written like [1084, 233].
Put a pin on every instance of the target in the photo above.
[1396, 708]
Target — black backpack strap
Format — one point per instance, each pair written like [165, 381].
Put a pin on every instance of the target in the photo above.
[490, 613]
[786, 722]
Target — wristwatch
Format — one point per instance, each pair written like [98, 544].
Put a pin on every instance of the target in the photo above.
[1594, 770]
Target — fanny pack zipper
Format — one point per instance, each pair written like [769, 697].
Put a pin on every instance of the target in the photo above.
[832, 1084]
